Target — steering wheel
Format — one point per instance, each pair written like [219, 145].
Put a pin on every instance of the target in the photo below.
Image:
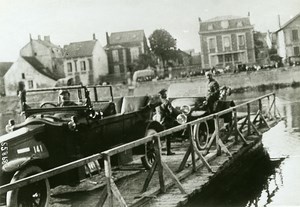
[47, 103]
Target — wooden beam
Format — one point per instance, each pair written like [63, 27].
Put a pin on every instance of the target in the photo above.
[185, 158]
[224, 148]
[102, 198]
[157, 147]
[117, 194]
[202, 158]
[149, 177]
[173, 176]
[107, 171]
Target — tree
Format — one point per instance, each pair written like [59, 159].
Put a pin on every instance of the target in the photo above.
[145, 60]
[162, 44]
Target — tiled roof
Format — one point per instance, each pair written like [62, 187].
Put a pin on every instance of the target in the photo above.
[128, 36]
[288, 22]
[36, 64]
[79, 49]
[4, 66]
[234, 22]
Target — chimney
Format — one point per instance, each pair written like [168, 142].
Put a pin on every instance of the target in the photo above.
[94, 36]
[107, 38]
[47, 38]
[39, 37]
[279, 23]
[248, 14]
[199, 19]
[30, 38]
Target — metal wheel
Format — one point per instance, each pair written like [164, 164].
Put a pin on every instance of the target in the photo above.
[150, 154]
[201, 134]
[33, 195]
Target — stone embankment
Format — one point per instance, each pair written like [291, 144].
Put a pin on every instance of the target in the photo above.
[263, 79]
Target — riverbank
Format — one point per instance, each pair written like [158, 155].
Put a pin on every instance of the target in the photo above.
[239, 82]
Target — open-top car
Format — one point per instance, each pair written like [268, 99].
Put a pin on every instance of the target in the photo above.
[190, 100]
[55, 133]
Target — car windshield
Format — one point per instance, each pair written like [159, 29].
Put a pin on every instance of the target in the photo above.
[52, 97]
[185, 90]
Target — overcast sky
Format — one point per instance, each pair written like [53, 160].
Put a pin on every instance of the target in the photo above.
[76, 20]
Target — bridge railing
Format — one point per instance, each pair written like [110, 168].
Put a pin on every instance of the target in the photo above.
[239, 128]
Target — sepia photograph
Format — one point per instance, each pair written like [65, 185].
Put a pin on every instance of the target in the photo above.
[139, 103]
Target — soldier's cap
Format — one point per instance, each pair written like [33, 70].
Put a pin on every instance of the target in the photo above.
[63, 91]
[162, 91]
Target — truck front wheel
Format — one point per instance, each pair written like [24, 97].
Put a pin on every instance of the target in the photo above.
[150, 154]
[34, 194]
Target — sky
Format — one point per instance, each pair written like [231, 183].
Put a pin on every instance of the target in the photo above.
[68, 21]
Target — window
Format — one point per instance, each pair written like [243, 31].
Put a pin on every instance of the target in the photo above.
[115, 54]
[212, 45]
[69, 67]
[241, 41]
[23, 75]
[82, 66]
[117, 69]
[220, 58]
[228, 58]
[226, 43]
[134, 52]
[239, 24]
[210, 27]
[296, 51]
[295, 36]
[30, 84]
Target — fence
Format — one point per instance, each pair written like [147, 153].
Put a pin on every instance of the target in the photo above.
[240, 127]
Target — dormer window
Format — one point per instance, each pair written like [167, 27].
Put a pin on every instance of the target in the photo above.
[240, 24]
[210, 27]
[224, 24]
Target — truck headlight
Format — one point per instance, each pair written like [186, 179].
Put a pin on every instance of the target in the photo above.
[73, 123]
[185, 109]
[181, 118]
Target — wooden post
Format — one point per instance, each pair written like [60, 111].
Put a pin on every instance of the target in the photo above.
[157, 147]
[191, 137]
[249, 120]
[217, 131]
[260, 112]
[107, 169]
[235, 125]
[274, 98]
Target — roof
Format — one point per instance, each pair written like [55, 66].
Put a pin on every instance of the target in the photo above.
[128, 36]
[36, 64]
[289, 22]
[79, 49]
[47, 44]
[4, 66]
[234, 22]
[221, 18]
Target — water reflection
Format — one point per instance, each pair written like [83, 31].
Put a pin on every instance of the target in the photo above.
[252, 181]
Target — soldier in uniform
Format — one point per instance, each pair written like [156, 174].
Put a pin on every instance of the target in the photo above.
[213, 92]
[166, 114]
[64, 99]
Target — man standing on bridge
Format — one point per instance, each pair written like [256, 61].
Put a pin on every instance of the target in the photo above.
[213, 92]
[166, 114]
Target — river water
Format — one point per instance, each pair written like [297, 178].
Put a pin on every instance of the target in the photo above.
[274, 178]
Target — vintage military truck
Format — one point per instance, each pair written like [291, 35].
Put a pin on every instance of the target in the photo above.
[53, 135]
